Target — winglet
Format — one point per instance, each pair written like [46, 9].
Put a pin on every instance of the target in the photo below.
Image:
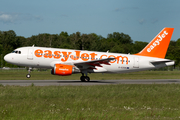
[159, 45]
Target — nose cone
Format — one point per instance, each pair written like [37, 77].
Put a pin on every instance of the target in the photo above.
[7, 58]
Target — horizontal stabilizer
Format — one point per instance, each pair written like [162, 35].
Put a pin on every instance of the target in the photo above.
[162, 61]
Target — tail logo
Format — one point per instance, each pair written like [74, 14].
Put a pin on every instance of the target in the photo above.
[157, 42]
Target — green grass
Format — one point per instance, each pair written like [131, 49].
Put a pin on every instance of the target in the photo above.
[137, 102]
[46, 75]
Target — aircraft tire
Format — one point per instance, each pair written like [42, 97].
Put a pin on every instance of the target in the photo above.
[84, 78]
[87, 79]
[28, 75]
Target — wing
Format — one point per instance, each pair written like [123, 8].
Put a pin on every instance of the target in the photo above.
[93, 65]
[85, 65]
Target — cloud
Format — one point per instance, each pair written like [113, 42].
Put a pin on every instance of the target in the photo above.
[155, 21]
[152, 21]
[29, 17]
[118, 9]
[8, 18]
[141, 21]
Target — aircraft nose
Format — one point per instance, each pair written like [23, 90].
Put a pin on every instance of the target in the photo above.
[7, 58]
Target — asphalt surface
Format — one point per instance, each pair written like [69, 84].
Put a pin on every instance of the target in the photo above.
[79, 83]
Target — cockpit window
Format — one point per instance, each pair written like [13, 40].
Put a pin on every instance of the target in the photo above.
[17, 52]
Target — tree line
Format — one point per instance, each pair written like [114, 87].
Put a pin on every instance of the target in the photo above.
[115, 42]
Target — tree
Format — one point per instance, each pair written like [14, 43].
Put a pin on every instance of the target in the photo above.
[120, 38]
[138, 46]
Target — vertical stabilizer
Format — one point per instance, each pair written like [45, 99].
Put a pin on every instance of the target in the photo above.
[159, 45]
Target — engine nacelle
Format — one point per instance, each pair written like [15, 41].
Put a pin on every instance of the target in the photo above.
[63, 70]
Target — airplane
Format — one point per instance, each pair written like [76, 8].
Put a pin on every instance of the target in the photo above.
[64, 62]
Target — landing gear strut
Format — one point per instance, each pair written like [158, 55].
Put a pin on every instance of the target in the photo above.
[84, 78]
[29, 71]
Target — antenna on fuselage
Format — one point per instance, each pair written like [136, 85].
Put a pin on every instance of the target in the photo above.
[108, 51]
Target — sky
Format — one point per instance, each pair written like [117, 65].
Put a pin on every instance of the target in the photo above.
[142, 20]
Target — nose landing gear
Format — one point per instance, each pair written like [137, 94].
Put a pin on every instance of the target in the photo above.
[29, 71]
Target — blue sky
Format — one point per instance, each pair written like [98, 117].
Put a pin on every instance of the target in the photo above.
[140, 19]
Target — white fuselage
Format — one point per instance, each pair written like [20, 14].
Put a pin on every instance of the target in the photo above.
[42, 57]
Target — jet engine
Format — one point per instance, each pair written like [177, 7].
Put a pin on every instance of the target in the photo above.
[63, 70]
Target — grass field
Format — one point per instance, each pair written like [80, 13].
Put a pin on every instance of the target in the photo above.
[115, 102]
[46, 75]
[137, 102]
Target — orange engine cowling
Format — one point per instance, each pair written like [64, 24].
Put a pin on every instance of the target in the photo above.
[62, 69]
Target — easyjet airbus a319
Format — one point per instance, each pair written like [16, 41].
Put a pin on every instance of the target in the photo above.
[67, 61]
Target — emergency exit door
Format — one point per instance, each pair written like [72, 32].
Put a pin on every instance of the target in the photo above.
[30, 54]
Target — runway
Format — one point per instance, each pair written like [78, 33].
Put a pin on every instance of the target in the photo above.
[79, 83]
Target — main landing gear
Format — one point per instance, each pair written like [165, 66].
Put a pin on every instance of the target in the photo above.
[84, 78]
[29, 71]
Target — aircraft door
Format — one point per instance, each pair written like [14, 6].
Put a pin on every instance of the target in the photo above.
[30, 54]
[136, 62]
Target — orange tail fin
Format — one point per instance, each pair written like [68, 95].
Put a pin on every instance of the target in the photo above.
[159, 45]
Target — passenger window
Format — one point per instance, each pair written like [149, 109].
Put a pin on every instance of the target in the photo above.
[19, 52]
